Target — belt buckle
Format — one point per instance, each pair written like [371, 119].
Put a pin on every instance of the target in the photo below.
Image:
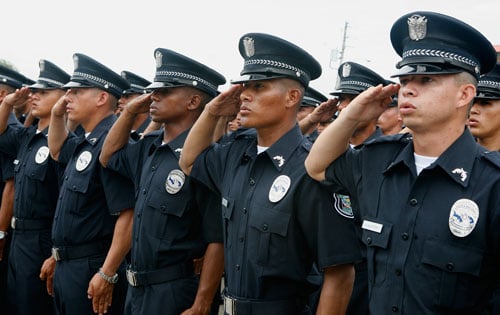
[132, 280]
[13, 223]
[229, 308]
[55, 254]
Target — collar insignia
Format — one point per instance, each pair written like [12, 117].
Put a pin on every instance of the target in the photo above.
[462, 172]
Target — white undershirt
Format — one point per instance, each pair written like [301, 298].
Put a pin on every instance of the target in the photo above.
[87, 134]
[261, 149]
[422, 161]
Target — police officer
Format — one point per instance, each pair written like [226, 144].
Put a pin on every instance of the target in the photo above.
[312, 98]
[484, 122]
[390, 122]
[94, 210]
[429, 203]
[277, 220]
[10, 80]
[137, 87]
[36, 190]
[176, 220]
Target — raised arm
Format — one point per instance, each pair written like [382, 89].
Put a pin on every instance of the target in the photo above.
[57, 128]
[119, 134]
[334, 140]
[18, 97]
[202, 133]
[323, 112]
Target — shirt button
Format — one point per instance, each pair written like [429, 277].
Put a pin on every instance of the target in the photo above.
[398, 272]
[252, 182]
[74, 187]
[413, 202]
[265, 227]
[245, 210]
[369, 240]
[395, 309]
[237, 267]
[65, 177]
[404, 236]
[450, 266]
[144, 191]
[241, 239]
[153, 168]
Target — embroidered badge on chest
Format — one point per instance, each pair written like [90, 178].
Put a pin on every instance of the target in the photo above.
[342, 205]
[279, 188]
[41, 155]
[463, 217]
[83, 161]
[175, 181]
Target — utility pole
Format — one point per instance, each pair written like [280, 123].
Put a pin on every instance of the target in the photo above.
[338, 55]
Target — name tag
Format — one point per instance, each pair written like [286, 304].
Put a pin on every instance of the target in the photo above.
[372, 226]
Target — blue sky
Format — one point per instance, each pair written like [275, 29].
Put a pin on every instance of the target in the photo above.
[123, 34]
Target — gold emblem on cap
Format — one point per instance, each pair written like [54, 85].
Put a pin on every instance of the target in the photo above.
[41, 64]
[417, 27]
[248, 44]
[346, 70]
[158, 59]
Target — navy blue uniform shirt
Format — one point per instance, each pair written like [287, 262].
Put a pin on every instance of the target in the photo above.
[36, 173]
[174, 217]
[91, 196]
[432, 240]
[277, 219]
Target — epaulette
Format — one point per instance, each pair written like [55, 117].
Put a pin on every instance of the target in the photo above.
[307, 144]
[396, 138]
[249, 133]
[493, 157]
[154, 133]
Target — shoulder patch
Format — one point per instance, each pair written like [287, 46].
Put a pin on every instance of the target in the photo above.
[493, 157]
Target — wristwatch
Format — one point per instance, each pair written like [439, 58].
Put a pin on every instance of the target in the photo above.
[3, 235]
[113, 279]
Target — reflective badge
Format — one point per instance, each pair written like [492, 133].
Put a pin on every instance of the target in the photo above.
[417, 27]
[463, 217]
[41, 155]
[342, 204]
[83, 161]
[175, 181]
[279, 188]
[346, 70]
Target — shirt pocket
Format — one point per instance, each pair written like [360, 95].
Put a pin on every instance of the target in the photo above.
[456, 268]
[163, 213]
[376, 235]
[37, 171]
[268, 236]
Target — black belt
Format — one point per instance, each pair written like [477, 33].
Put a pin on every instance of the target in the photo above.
[30, 224]
[80, 251]
[234, 306]
[169, 273]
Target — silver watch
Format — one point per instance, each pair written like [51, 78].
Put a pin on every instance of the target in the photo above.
[113, 279]
[3, 235]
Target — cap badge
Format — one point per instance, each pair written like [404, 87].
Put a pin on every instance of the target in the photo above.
[346, 70]
[158, 59]
[42, 154]
[461, 172]
[279, 188]
[417, 27]
[83, 161]
[280, 160]
[41, 65]
[342, 204]
[463, 217]
[75, 62]
[175, 181]
[248, 44]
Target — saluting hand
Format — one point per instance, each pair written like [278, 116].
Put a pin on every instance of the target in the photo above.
[101, 293]
[59, 108]
[370, 104]
[324, 111]
[139, 104]
[19, 97]
[47, 274]
[226, 103]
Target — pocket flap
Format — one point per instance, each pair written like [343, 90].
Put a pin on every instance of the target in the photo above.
[376, 233]
[270, 221]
